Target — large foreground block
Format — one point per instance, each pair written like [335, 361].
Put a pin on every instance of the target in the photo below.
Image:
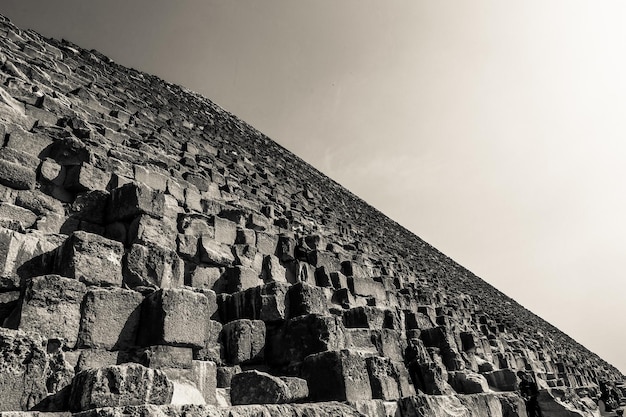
[120, 385]
[337, 375]
[254, 387]
[153, 266]
[243, 341]
[175, 317]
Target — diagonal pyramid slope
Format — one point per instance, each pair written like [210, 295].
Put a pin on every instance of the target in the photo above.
[141, 223]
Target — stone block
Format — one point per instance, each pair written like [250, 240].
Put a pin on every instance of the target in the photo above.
[298, 388]
[239, 278]
[51, 307]
[225, 230]
[52, 172]
[502, 379]
[86, 177]
[212, 349]
[95, 358]
[175, 317]
[24, 365]
[206, 277]
[8, 302]
[150, 177]
[383, 378]
[245, 255]
[131, 200]
[92, 259]
[17, 176]
[167, 357]
[337, 375]
[306, 299]
[319, 258]
[258, 222]
[254, 387]
[187, 246]
[38, 202]
[119, 385]
[301, 336]
[26, 255]
[147, 230]
[364, 317]
[285, 247]
[367, 287]
[90, 206]
[110, 318]
[243, 341]
[19, 214]
[225, 375]
[268, 303]
[465, 382]
[266, 243]
[153, 266]
[272, 270]
[215, 253]
[246, 237]
[204, 375]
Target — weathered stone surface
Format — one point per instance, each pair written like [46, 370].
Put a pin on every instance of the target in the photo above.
[110, 318]
[12, 212]
[23, 365]
[465, 382]
[239, 278]
[119, 385]
[152, 266]
[205, 376]
[337, 375]
[51, 307]
[16, 176]
[254, 387]
[306, 299]
[502, 379]
[174, 317]
[298, 388]
[215, 253]
[243, 341]
[131, 200]
[91, 259]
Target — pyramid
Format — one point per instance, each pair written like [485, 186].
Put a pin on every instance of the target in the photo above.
[159, 256]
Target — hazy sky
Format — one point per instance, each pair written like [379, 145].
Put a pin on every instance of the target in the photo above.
[495, 130]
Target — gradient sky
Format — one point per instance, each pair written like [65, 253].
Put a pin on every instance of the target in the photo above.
[495, 130]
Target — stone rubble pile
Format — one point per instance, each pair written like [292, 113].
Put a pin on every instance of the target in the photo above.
[160, 256]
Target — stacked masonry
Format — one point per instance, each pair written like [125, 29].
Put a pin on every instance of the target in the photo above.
[154, 249]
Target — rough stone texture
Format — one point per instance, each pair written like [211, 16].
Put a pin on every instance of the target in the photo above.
[51, 307]
[91, 259]
[119, 385]
[254, 387]
[110, 318]
[174, 317]
[152, 266]
[243, 341]
[337, 375]
[22, 369]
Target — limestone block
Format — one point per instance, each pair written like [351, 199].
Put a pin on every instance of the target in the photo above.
[51, 307]
[30, 143]
[95, 358]
[24, 253]
[167, 357]
[306, 299]
[338, 280]
[16, 176]
[367, 287]
[258, 222]
[86, 177]
[174, 317]
[364, 317]
[52, 172]
[91, 259]
[131, 200]
[239, 278]
[186, 246]
[243, 341]
[212, 349]
[246, 237]
[147, 230]
[205, 277]
[298, 388]
[430, 378]
[254, 387]
[245, 255]
[16, 213]
[119, 385]
[38, 202]
[110, 318]
[384, 378]
[265, 302]
[301, 336]
[225, 230]
[153, 266]
[502, 379]
[215, 253]
[266, 243]
[225, 375]
[150, 177]
[195, 224]
[337, 375]
[24, 365]
[285, 247]
[319, 258]
[272, 270]
[465, 382]
[8, 302]
[204, 374]
[383, 342]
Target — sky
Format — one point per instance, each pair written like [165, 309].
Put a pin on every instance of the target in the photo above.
[493, 129]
